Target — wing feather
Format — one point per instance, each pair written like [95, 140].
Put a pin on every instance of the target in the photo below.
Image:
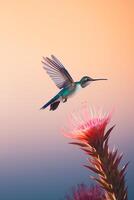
[57, 72]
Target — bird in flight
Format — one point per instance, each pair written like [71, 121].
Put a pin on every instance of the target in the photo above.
[63, 81]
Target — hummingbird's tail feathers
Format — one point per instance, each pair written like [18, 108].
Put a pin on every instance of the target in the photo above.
[54, 105]
[50, 102]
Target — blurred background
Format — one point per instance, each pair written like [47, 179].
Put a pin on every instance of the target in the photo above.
[94, 38]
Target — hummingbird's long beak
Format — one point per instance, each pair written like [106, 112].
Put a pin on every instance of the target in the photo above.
[99, 79]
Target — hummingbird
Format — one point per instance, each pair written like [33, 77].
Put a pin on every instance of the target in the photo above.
[63, 80]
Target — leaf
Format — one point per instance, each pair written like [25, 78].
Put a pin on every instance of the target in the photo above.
[114, 154]
[94, 169]
[96, 163]
[104, 185]
[123, 170]
[104, 179]
[123, 194]
[108, 133]
[106, 146]
[82, 144]
[117, 161]
[89, 152]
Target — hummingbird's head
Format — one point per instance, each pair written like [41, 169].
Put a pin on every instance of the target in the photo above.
[86, 80]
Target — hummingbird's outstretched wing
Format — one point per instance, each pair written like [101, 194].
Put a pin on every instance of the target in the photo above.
[57, 72]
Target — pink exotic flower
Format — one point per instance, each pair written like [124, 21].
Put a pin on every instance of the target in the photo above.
[83, 192]
[93, 139]
[87, 129]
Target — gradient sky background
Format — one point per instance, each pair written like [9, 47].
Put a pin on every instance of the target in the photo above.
[94, 38]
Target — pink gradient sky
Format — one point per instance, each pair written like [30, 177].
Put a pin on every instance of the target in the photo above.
[94, 38]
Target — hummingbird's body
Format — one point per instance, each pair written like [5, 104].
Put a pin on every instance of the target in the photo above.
[64, 81]
[63, 95]
[70, 91]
